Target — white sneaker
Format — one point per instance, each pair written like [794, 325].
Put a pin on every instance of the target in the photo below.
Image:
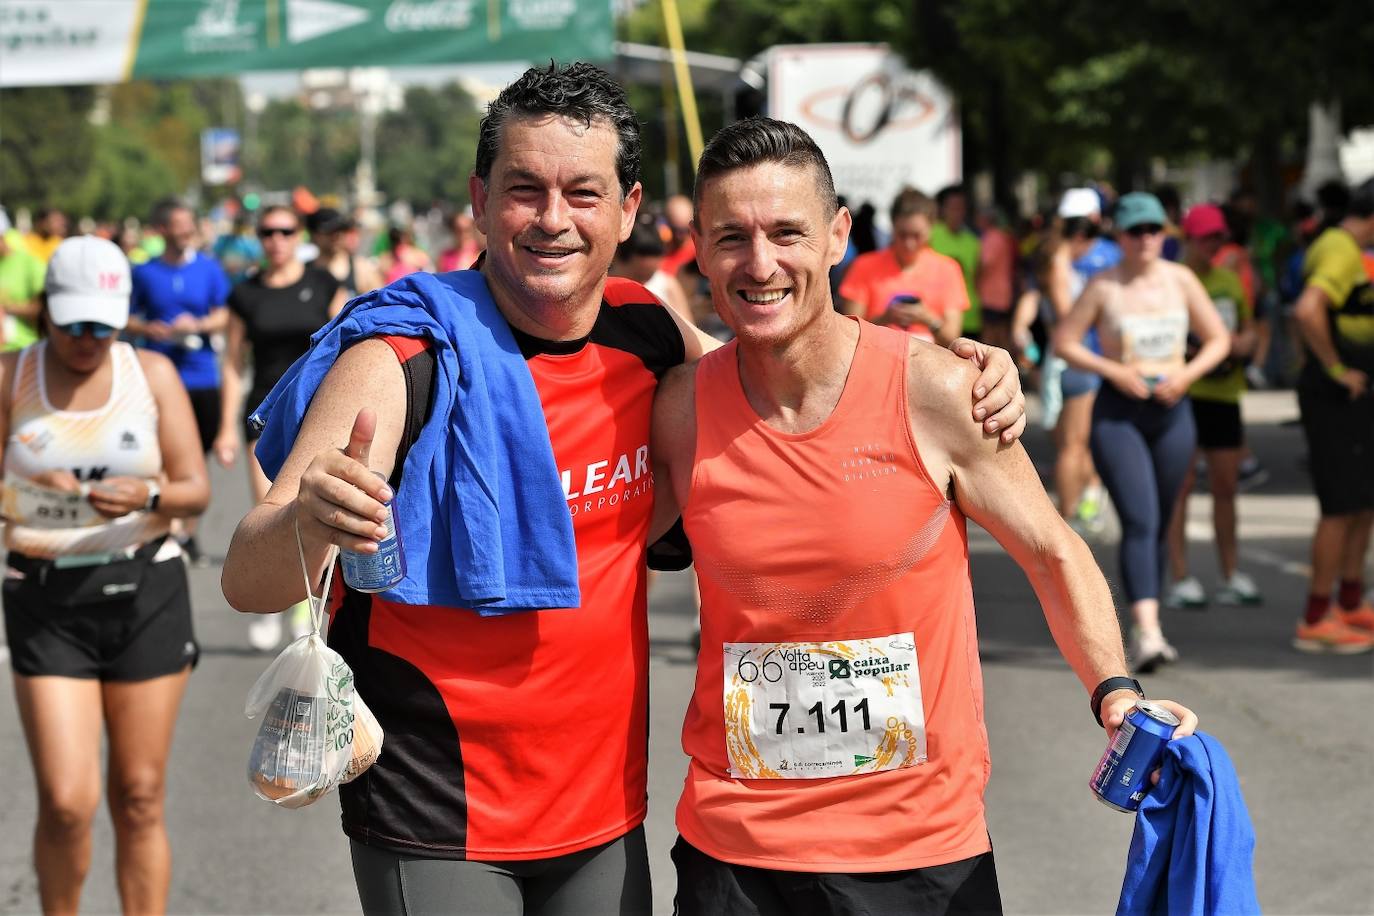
[1149, 650]
[264, 633]
[299, 617]
[1186, 592]
[1237, 590]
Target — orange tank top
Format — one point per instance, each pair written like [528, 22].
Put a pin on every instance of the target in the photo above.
[836, 723]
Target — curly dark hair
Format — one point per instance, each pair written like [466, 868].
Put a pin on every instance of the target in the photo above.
[579, 91]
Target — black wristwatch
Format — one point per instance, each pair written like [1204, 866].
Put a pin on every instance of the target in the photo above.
[1107, 686]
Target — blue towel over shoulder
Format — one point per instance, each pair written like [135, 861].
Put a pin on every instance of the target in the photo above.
[485, 524]
[1193, 847]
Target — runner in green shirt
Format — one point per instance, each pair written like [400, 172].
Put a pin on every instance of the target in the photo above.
[21, 280]
[951, 236]
[1216, 412]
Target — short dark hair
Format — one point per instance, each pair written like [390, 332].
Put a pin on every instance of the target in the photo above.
[911, 202]
[947, 192]
[163, 210]
[279, 208]
[757, 140]
[644, 241]
[1362, 201]
[578, 91]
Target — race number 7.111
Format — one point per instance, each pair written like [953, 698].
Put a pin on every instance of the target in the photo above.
[818, 710]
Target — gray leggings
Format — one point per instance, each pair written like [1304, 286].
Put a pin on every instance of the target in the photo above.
[608, 879]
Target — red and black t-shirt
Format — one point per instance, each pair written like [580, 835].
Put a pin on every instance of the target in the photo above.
[525, 736]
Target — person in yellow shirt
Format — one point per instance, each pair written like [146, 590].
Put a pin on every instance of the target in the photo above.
[49, 229]
[1335, 316]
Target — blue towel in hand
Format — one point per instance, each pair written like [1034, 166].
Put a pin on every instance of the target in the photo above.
[485, 523]
[1193, 847]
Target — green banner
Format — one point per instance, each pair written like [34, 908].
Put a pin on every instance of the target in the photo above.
[101, 41]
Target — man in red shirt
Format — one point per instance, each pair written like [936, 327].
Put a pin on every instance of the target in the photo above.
[515, 770]
[908, 284]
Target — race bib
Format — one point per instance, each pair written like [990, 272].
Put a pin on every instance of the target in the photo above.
[818, 709]
[1226, 308]
[35, 506]
[1153, 338]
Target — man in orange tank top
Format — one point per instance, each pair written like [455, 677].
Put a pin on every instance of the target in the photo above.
[838, 755]
[491, 797]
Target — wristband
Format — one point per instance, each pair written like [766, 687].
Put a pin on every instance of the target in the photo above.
[1336, 370]
[1107, 686]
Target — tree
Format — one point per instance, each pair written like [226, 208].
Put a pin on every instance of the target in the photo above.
[426, 151]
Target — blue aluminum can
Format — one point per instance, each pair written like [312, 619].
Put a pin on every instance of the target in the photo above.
[1122, 777]
[377, 572]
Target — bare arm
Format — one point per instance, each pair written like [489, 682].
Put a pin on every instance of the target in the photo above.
[227, 443]
[1205, 323]
[186, 492]
[215, 321]
[996, 486]
[1311, 313]
[695, 341]
[353, 426]
[673, 442]
[338, 302]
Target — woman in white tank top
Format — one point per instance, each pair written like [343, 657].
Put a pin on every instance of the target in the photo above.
[97, 460]
[1143, 434]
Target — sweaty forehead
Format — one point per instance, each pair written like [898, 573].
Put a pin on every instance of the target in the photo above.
[540, 142]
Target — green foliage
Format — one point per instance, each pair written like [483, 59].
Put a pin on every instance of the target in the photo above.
[426, 151]
[46, 146]
[291, 145]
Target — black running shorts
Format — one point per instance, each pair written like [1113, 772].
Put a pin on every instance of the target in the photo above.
[145, 636]
[709, 887]
[1218, 424]
[205, 404]
[1340, 446]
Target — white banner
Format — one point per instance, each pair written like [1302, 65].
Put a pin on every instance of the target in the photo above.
[68, 42]
[880, 125]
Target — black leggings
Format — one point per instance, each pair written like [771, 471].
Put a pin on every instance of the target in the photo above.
[1142, 450]
[609, 879]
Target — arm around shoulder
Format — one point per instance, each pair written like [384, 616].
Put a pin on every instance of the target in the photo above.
[673, 443]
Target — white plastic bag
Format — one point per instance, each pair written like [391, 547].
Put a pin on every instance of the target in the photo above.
[316, 732]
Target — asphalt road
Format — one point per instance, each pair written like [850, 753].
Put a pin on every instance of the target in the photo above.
[1297, 727]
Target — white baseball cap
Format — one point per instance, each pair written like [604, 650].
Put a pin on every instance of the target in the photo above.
[1078, 202]
[88, 280]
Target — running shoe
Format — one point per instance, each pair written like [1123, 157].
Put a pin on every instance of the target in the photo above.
[1186, 593]
[1256, 377]
[298, 616]
[1090, 517]
[1362, 618]
[1149, 650]
[264, 633]
[1240, 589]
[1252, 475]
[1331, 634]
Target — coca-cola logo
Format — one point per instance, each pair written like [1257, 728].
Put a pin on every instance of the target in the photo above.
[428, 15]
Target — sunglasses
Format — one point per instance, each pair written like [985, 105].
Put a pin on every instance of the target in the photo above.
[1144, 229]
[269, 231]
[80, 328]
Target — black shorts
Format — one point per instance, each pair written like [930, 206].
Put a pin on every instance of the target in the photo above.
[205, 404]
[1218, 424]
[1340, 446]
[709, 887]
[995, 318]
[145, 636]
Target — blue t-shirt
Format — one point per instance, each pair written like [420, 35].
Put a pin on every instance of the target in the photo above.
[163, 291]
[1103, 254]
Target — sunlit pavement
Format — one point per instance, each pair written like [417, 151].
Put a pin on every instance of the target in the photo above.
[1298, 728]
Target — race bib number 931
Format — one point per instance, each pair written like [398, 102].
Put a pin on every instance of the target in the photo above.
[812, 710]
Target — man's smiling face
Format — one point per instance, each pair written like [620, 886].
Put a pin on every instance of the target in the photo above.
[552, 212]
[766, 241]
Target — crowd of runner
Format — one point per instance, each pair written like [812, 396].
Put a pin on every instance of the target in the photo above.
[1140, 324]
